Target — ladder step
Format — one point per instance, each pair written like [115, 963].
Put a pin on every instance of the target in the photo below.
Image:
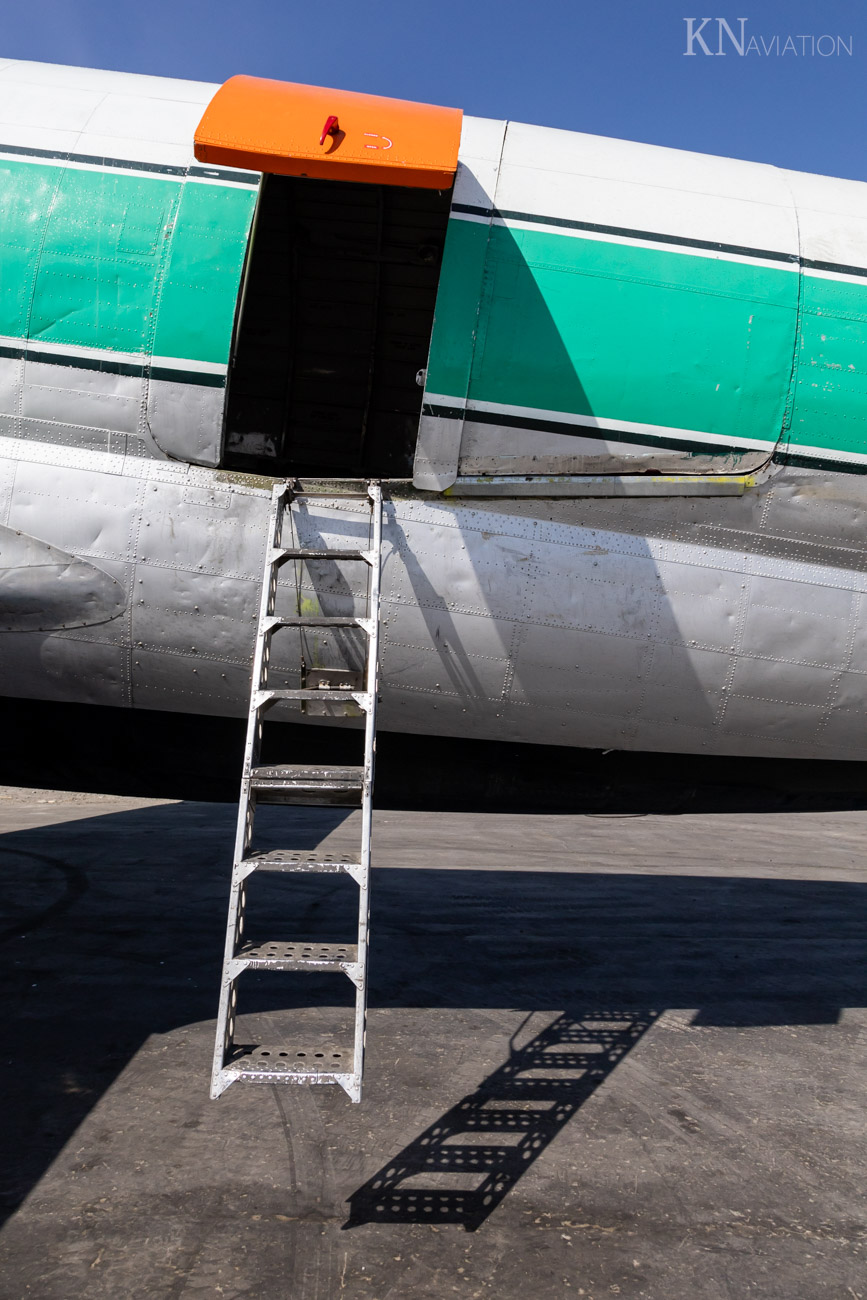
[276, 955]
[265, 1064]
[290, 860]
[309, 784]
[331, 494]
[362, 698]
[299, 620]
[283, 553]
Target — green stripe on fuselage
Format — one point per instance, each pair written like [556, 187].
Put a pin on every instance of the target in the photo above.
[26, 193]
[830, 398]
[617, 331]
[203, 273]
[119, 262]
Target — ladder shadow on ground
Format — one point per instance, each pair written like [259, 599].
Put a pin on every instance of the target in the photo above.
[464, 1164]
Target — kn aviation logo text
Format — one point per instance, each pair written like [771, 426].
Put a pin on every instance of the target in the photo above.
[717, 37]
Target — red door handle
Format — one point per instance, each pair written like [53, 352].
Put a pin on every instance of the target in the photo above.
[330, 128]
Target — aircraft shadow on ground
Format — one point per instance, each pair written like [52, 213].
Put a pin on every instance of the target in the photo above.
[143, 752]
[112, 930]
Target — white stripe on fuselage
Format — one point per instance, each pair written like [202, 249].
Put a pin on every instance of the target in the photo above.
[105, 354]
[126, 168]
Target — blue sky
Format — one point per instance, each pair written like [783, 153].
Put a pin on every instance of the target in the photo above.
[616, 68]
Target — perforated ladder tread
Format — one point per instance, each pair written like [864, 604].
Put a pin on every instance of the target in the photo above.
[298, 860]
[308, 784]
[274, 954]
[262, 1063]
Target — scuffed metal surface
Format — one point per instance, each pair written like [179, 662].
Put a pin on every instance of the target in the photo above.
[602, 485]
[492, 449]
[45, 589]
[717, 625]
[185, 420]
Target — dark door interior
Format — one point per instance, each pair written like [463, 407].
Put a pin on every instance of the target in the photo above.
[334, 327]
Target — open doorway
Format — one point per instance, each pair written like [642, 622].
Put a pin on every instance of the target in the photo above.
[334, 326]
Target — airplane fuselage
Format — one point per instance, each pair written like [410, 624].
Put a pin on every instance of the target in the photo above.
[625, 505]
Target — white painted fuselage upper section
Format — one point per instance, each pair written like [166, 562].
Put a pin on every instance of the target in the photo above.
[45, 106]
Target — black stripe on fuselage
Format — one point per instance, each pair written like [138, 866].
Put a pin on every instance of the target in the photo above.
[108, 366]
[839, 268]
[127, 164]
[800, 461]
[575, 429]
[681, 241]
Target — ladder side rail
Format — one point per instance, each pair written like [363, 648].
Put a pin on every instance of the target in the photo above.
[244, 831]
[372, 682]
[228, 991]
[261, 662]
[371, 686]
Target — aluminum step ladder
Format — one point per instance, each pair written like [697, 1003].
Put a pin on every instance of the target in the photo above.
[317, 784]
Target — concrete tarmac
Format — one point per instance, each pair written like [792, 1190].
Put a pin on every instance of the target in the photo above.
[607, 1056]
